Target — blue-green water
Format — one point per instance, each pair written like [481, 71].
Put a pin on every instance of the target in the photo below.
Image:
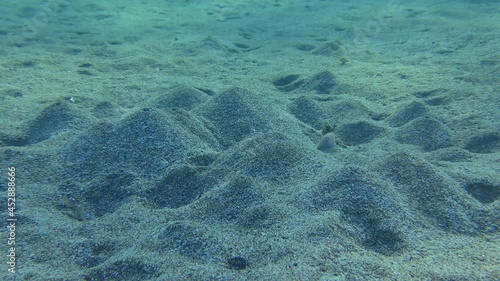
[250, 140]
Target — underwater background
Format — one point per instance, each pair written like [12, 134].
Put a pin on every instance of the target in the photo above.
[251, 140]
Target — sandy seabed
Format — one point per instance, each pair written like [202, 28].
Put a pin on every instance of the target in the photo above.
[251, 140]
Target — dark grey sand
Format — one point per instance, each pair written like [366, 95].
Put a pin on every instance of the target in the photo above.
[177, 140]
